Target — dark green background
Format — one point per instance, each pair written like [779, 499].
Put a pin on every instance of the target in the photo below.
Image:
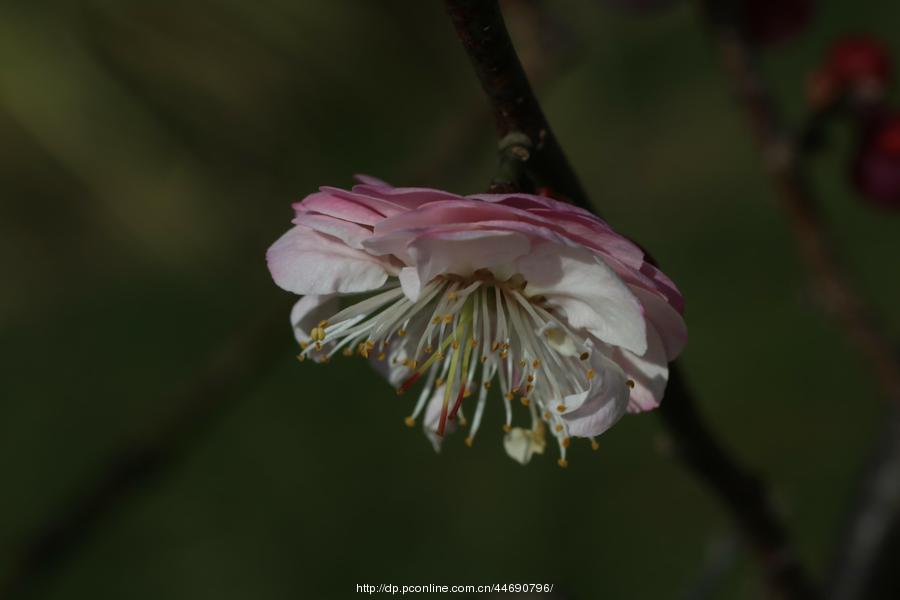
[149, 153]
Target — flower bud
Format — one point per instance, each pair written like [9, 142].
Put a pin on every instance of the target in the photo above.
[876, 168]
[859, 63]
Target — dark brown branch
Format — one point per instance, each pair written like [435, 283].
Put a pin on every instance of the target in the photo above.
[742, 493]
[231, 373]
[480, 27]
[877, 502]
[527, 144]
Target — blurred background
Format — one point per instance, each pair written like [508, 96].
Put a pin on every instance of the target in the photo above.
[149, 153]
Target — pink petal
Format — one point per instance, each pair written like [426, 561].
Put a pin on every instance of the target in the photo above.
[338, 207]
[351, 234]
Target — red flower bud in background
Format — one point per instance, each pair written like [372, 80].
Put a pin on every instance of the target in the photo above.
[876, 168]
[857, 67]
[774, 21]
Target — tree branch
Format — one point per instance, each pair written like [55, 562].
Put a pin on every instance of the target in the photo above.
[479, 25]
[527, 144]
[875, 508]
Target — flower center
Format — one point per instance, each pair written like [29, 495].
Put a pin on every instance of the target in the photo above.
[463, 330]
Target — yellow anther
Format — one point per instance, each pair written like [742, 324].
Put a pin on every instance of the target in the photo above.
[455, 344]
[515, 390]
[522, 363]
[428, 350]
[524, 400]
[590, 373]
[467, 393]
[473, 343]
[558, 428]
[507, 427]
[547, 415]
[304, 345]
[323, 324]
[630, 383]
[452, 296]
[324, 360]
[561, 408]
[409, 421]
[413, 364]
[439, 382]
[509, 396]
[347, 352]
[436, 320]
[504, 354]
[381, 356]
[584, 356]
[487, 385]
[484, 359]
[595, 445]
[301, 357]
[494, 346]
[469, 441]
[528, 388]
[440, 355]
[401, 332]
[562, 463]
[566, 441]
[530, 379]
[536, 364]
[448, 318]
[318, 345]
[462, 421]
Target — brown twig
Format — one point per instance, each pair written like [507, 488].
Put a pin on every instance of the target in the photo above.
[480, 27]
[527, 144]
[876, 505]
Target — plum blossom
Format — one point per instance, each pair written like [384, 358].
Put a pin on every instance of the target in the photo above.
[459, 295]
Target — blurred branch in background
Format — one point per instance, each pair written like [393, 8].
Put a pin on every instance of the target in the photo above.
[232, 373]
[481, 29]
[876, 507]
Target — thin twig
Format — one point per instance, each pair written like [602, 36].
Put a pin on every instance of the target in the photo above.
[480, 27]
[875, 508]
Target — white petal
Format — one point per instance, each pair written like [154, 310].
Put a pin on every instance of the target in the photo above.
[304, 261]
[464, 252]
[309, 311]
[649, 372]
[410, 282]
[591, 295]
[606, 403]
[521, 444]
